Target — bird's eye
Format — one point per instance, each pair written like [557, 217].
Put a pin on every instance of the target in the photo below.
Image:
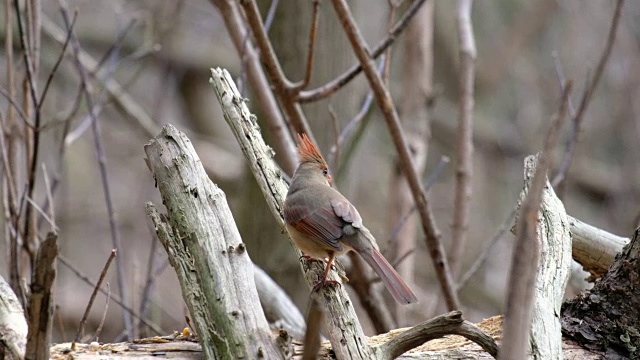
[325, 172]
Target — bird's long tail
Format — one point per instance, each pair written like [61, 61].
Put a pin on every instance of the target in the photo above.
[400, 291]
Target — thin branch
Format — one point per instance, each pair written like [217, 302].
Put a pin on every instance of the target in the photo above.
[334, 156]
[334, 85]
[100, 154]
[448, 324]
[383, 98]
[24, 43]
[69, 137]
[283, 143]
[435, 174]
[310, 50]
[104, 313]
[8, 156]
[387, 54]
[283, 86]
[158, 330]
[44, 214]
[484, 255]
[9, 186]
[526, 251]
[29, 56]
[58, 61]
[312, 334]
[47, 186]
[464, 144]
[16, 106]
[87, 310]
[148, 285]
[268, 21]
[588, 94]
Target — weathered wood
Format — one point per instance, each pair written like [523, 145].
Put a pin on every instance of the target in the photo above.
[342, 326]
[41, 300]
[595, 249]
[553, 271]
[175, 347]
[205, 248]
[13, 325]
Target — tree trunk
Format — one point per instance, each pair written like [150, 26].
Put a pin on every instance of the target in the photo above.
[606, 317]
[207, 253]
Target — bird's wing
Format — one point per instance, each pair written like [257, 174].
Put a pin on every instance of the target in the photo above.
[347, 212]
[325, 224]
[320, 224]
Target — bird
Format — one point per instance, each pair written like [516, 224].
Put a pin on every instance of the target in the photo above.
[323, 223]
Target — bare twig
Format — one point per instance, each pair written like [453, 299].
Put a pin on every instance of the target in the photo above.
[312, 334]
[312, 44]
[44, 215]
[334, 85]
[393, 5]
[268, 21]
[484, 255]
[283, 87]
[526, 252]
[444, 160]
[383, 98]
[464, 144]
[104, 313]
[334, 158]
[9, 130]
[586, 98]
[60, 323]
[448, 324]
[283, 143]
[151, 274]
[58, 61]
[87, 310]
[64, 261]
[26, 56]
[47, 185]
[100, 154]
[30, 49]
[16, 107]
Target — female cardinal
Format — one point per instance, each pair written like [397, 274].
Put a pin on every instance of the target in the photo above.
[323, 223]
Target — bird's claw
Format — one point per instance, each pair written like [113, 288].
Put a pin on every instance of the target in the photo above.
[320, 284]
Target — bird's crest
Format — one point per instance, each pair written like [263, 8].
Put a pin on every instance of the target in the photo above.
[309, 152]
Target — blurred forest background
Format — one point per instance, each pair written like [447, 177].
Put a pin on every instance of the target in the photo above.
[146, 64]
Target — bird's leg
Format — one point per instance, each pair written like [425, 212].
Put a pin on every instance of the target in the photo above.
[324, 280]
[309, 258]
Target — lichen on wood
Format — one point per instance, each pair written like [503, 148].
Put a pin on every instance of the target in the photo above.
[205, 248]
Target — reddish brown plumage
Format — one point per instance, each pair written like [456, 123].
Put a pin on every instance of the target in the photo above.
[323, 223]
[308, 151]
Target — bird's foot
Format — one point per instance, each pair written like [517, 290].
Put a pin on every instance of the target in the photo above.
[320, 284]
[307, 257]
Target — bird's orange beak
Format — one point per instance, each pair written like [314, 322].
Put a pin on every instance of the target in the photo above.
[329, 179]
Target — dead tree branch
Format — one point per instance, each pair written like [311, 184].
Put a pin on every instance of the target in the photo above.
[526, 252]
[464, 143]
[433, 236]
[41, 300]
[207, 253]
[586, 98]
